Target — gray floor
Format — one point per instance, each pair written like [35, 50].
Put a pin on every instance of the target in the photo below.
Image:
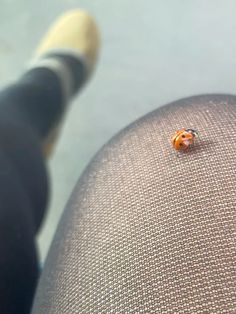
[153, 52]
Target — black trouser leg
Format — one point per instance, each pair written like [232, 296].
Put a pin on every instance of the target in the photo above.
[28, 109]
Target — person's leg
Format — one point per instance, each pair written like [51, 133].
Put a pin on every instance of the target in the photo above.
[30, 111]
[146, 231]
[63, 63]
[23, 197]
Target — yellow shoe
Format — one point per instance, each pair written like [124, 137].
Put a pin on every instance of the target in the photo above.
[74, 32]
[69, 49]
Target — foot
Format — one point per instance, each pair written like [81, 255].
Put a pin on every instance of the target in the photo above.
[70, 50]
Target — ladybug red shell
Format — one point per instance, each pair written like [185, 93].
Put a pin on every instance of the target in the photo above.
[184, 138]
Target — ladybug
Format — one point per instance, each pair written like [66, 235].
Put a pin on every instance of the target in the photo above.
[184, 138]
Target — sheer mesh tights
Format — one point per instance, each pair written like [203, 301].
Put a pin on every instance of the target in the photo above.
[145, 231]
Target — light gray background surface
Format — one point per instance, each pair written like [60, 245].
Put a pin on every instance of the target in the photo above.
[153, 52]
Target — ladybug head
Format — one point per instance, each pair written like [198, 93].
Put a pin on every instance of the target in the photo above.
[193, 132]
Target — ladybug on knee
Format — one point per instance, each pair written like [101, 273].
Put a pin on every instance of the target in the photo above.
[183, 139]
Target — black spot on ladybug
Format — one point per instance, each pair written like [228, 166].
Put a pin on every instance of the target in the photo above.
[183, 136]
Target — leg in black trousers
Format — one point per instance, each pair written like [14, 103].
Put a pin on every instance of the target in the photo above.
[23, 189]
[23, 196]
[30, 110]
